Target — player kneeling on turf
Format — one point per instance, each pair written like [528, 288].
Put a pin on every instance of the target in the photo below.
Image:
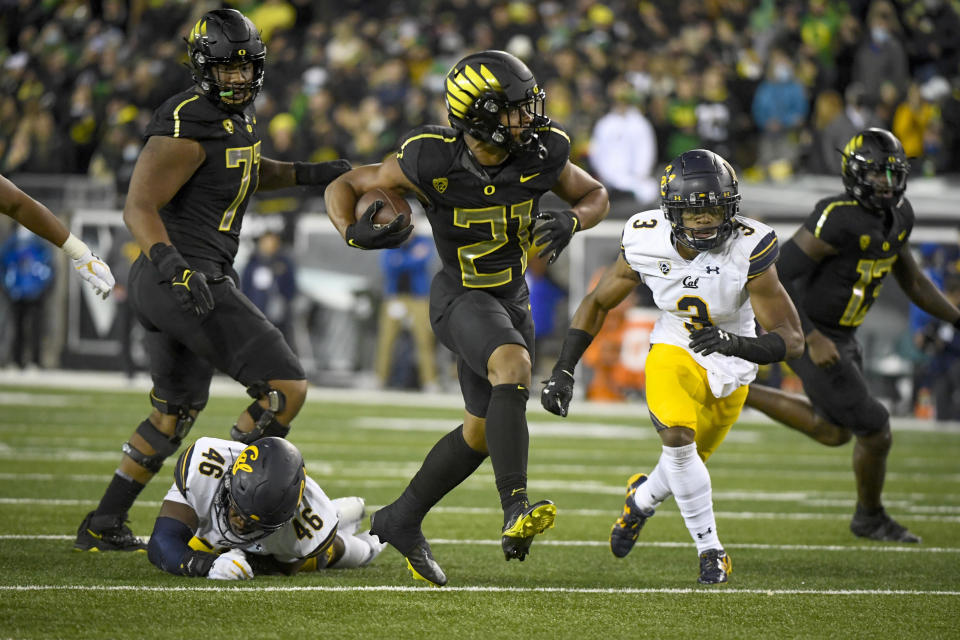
[237, 510]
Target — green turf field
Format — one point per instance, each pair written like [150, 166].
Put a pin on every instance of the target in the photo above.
[783, 505]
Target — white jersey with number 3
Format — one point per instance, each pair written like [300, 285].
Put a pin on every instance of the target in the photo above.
[198, 479]
[708, 290]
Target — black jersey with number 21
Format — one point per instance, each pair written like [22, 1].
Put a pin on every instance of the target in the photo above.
[481, 216]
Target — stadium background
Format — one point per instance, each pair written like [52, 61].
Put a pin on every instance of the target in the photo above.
[346, 79]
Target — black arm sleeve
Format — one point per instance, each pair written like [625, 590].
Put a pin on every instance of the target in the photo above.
[768, 348]
[169, 550]
[794, 268]
[574, 344]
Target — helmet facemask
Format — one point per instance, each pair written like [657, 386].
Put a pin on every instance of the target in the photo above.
[235, 526]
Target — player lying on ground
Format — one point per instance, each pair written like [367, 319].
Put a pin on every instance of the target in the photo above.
[238, 510]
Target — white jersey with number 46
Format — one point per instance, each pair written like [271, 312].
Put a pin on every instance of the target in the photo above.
[708, 290]
[197, 481]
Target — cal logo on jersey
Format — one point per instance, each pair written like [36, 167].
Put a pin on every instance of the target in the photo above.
[440, 184]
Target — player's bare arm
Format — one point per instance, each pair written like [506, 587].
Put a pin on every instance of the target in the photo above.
[165, 164]
[823, 351]
[588, 198]
[919, 288]
[30, 213]
[775, 311]
[616, 283]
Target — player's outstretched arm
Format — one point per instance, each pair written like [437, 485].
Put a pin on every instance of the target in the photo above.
[37, 218]
[275, 174]
[614, 286]
[921, 290]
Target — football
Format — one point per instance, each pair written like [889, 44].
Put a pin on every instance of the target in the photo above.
[393, 205]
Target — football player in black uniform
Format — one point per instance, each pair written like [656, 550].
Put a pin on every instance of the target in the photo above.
[833, 268]
[480, 181]
[187, 197]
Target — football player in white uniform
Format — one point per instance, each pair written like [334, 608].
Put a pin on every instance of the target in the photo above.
[236, 510]
[712, 274]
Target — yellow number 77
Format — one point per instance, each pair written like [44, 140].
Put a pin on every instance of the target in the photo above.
[249, 157]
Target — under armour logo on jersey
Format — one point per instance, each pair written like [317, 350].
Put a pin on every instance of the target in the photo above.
[713, 269]
[691, 283]
[707, 532]
[664, 267]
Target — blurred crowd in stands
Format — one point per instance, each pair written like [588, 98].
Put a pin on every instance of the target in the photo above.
[774, 85]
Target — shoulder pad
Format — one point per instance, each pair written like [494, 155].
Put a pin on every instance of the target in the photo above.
[831, 217]
[190, 115]
[428, 151]
[182, 469]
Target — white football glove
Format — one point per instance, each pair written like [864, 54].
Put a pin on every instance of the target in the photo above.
[95, 271]
[231, 565]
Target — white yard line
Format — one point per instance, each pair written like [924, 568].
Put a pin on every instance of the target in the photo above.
[220, 590]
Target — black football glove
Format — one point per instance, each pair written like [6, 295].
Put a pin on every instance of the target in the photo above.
[558, 393]
[555, 229]
[713, 339]
[320, 173]
[362, 234]
[189, 286]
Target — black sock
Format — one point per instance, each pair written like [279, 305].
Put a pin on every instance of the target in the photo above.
[508, 441]
[120, 495]
[448, 463]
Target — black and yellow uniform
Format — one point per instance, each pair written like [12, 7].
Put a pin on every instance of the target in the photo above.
[837, 296]
[482, 221]
[203, 221]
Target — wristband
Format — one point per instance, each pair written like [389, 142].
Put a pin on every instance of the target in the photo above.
[74, 247]
[574, 344]
[768, 348]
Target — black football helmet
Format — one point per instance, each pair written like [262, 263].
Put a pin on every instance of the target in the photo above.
[696, 179]
[220, 37]
[874, 169]
[481, 86]
[263, 487]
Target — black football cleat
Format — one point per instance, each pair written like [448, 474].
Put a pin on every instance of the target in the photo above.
[880, 526]
[527, 521]
[626, 530]
[411, 543]
[106, 533]
[714, 566]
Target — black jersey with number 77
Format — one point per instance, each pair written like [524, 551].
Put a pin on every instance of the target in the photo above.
[204, 217]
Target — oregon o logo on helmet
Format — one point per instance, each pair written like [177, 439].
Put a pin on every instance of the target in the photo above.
[241, 52]
[251, 453]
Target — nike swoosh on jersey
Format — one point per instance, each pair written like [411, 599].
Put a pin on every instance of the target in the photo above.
[524, 178]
